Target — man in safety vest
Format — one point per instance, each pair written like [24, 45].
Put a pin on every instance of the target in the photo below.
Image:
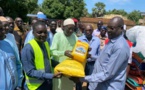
[36, 60]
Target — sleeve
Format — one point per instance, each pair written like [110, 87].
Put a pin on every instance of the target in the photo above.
[54, 63]
[116, 61]
[18, 62]
[54, 47]
[27, 56]
[97, 52]
[3, 72]
[94, 57]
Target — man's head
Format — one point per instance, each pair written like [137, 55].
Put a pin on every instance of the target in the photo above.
[103, 31]
[2, 31]
[53, 26]
[99, 25]
[5, 24]
[11, 24]
[40, 31]
[81, 27]
[68, 26]
[42, 17]
[59, 23]
[19, 22]
[115, 27]
[33, 21]
[1, 12]
[88, 31]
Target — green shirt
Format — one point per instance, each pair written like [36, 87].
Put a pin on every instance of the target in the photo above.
[60, 44]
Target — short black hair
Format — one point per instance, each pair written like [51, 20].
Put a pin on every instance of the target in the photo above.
[38, 23]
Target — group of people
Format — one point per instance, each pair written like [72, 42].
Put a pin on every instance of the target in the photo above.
[37, 51]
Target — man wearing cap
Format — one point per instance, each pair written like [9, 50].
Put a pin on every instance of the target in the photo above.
[30, 36]
[102, 36]
[62, 43]
[14, 70]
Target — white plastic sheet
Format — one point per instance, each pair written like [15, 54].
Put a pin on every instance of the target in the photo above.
[136, 35]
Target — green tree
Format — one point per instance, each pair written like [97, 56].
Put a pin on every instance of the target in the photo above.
[135, 16]
[119, 12]
[99, 10]
[85, 13]
[18, 8]
[63, 8]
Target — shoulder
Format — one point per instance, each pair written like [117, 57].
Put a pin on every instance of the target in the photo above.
[96, 38]
[122, 44]
[27, 47]
[59, 34]
[81, 37]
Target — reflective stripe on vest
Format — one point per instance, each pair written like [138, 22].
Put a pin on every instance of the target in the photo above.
[33, 83]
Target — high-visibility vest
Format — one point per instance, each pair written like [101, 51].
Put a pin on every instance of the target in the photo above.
[33, 83]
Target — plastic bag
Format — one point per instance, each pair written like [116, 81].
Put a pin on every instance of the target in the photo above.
[70, 68]
[80, 51]
[137, 35]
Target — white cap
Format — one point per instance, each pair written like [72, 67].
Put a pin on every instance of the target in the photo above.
[68, 22]
[40, 13]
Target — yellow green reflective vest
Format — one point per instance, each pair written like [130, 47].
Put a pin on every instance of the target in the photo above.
[33, 83]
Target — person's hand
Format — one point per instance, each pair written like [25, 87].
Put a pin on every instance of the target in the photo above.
[18, 88]
[68, 53]
[57, 75]
[89, 49]
[89, 55]
[75, 79]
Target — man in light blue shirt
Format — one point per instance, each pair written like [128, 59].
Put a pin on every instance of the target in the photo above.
[94, 43]
[110, 67]
[8, 43]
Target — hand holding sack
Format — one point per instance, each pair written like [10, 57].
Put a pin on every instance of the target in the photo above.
[75, 66]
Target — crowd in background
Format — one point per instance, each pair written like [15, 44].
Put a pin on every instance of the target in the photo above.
[29, 52]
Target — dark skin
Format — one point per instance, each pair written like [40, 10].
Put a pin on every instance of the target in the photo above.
[99, 25]
[115, 27]
[103, 33]
[68, 31]
[53, 26]
[2, 31]
[88, 32]
[19, 22]
[40, 34]
[5, 26]
[114, 32]
[11, 24]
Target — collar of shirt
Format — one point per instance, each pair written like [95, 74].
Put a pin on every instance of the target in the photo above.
[115, 39]
[84, 38]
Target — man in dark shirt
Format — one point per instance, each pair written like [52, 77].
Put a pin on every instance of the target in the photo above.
[29, 59]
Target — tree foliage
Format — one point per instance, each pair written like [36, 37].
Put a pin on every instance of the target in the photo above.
[18, 8]
[63, 8]
[119, 12]
[85, 13]
[135, 16]
[99, 10]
